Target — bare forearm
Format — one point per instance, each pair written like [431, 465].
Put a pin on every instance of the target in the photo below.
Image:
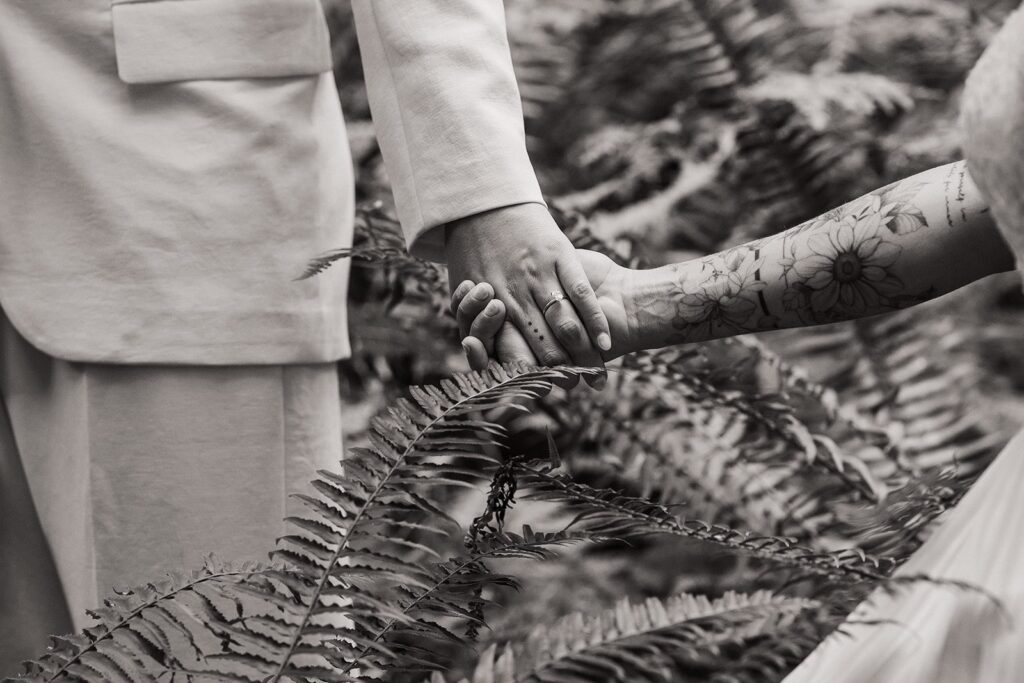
[900, 245]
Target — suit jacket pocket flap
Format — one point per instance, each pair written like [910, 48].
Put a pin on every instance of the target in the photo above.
[159, 41]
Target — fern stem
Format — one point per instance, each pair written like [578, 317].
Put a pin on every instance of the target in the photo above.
[455, 571]
[206, 675]
[342, 547]
[360, 515]
[775, 549]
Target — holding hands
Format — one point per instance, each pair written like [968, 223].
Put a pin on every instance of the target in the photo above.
[900, 245]
[488, 332]
[537, 283]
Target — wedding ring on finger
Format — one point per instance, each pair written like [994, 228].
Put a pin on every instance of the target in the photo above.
[556, 297]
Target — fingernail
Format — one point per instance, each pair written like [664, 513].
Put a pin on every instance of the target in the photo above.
[491, 309]
[604, 341]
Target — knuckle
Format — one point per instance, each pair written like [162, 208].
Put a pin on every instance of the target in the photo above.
[469, 305]
[552, 358]
[514, 295]
[568, 329]
[581, 289]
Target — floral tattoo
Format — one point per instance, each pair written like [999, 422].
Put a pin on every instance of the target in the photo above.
[721, 295]
[846, 267]
[833, 267]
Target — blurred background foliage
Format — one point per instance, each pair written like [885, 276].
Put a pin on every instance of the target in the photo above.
[663, 130]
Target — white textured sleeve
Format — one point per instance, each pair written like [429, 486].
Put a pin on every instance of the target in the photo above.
[447, 111]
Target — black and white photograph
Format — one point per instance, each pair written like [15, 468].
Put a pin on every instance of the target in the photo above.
[511, 341]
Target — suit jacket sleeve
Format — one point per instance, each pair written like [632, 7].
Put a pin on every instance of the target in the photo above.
[447, 111]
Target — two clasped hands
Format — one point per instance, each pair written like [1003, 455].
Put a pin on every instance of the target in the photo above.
[541, 301]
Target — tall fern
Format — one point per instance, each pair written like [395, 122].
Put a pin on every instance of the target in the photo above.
[341, 590]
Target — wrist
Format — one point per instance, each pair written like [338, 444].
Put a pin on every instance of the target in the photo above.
[639, 287]
[497, 219]
[631, 282]
[650, 302]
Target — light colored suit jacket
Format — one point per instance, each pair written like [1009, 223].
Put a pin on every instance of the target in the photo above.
[168, 167]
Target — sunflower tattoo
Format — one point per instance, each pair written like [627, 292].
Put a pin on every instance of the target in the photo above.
[847, 266]
[848, 269]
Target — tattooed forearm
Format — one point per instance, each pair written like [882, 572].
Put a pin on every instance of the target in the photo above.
[894, 247]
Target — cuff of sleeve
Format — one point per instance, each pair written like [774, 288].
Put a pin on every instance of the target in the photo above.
[426, 241]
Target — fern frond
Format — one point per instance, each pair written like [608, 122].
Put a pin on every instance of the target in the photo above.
[909, 384]
[651, 640]
[455, 585]
[137, 632]
[379, 243]
[897, 526]
[411, 447]
[787, 165]
[719, 40]
[610, 514]
[780, 650]
[761, 428]
[342, 583]
[816, 95]
[648, 219]
[794, 379]
[930, 43]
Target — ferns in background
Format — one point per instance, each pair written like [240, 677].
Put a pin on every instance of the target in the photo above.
[359, 585]
[655, 640]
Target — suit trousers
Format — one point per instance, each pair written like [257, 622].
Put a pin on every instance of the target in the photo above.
[112, 475]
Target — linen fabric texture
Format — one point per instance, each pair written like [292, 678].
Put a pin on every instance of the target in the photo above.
[138, 470]
[169, 167]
